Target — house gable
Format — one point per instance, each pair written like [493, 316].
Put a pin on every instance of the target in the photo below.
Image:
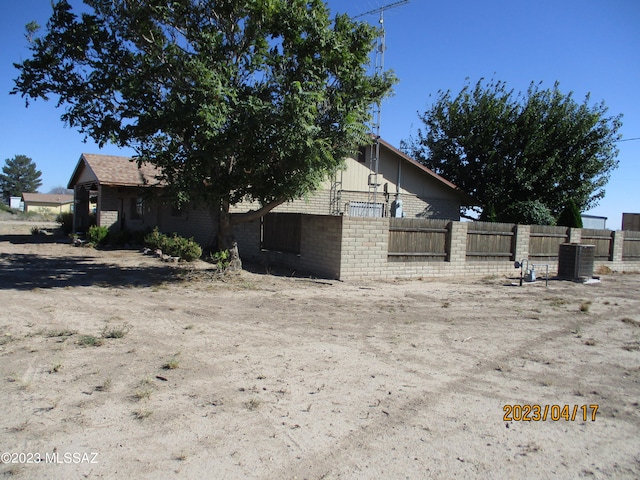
[111, 170]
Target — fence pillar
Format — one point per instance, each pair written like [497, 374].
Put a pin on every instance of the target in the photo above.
[458, 242]
[618, 245]
[521, 248]
[575, 235]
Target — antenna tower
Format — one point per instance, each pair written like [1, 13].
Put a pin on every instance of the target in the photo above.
[374, 156]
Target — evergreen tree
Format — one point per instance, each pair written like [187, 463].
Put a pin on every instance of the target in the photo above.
[19, 175]
[570, 215]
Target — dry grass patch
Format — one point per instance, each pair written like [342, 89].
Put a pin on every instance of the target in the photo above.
[172, 363]
[116, 332]
[90, 341]
[142, 413]
[585, 306]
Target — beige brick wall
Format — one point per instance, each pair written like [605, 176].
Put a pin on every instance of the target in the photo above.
[192, 222]
[365, 243]
[319, 203]
[108, 205]
[320, 246]
[364, 248]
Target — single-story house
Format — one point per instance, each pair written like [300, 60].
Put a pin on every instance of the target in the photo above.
[47, 203]
[128, 197]
[402, 187]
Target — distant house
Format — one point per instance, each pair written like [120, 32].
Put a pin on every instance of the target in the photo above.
[594, 221]
[128, 197]
[47, 203]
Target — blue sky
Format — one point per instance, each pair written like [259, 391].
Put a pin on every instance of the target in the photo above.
[587, 45]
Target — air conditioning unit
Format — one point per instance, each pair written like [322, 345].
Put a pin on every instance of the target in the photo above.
[575, 261]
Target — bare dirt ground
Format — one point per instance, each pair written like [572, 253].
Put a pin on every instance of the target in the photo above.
[116, 365]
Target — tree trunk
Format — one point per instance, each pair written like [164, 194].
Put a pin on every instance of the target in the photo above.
[226, 236]
[227, 239]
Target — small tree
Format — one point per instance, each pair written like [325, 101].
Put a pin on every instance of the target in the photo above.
[19, 175]
[570, 216]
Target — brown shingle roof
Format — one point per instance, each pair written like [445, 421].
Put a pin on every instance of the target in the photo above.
[52, 198]
[116, 171]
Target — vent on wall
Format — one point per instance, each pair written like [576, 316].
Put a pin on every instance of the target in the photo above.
[576, 261]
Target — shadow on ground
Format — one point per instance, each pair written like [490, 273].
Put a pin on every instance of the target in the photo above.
[21, 239]
[26, 271]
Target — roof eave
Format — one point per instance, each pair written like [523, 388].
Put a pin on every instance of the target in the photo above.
[467, 199]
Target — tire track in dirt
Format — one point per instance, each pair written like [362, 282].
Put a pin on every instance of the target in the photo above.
[402, 413]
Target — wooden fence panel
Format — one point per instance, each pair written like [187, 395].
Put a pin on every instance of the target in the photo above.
[418, 240]
[603, 241]
[282, 232]
[488, 241]
[631, 246]
[545, 241]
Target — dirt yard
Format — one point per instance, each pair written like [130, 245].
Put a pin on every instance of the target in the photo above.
[116, 365]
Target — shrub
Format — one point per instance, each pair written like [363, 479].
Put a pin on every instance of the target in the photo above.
[220, 259]
[97, 235]
[174, 246]
[65, 220]
[532, 212]
[154, 240]
[185, 248]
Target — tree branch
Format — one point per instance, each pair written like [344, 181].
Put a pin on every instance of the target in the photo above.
[251, 215]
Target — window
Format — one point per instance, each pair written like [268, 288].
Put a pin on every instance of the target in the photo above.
[137, 208]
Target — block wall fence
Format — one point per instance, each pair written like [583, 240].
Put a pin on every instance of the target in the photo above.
[355, 248]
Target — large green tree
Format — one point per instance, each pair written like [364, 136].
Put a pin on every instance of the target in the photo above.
[19, 175]
[539, 148]
[232, 99]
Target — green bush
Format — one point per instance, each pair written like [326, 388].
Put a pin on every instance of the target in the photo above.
[154, 240]
[220, 259]
[174, 246]
[532, 212]
[97, 235]
[65, 220]
[185, 248]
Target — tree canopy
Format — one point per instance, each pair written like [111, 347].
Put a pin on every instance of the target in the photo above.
[232, 99]
[19, 175]
[519, 152]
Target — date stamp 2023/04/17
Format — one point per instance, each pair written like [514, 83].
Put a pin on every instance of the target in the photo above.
[537, 413]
